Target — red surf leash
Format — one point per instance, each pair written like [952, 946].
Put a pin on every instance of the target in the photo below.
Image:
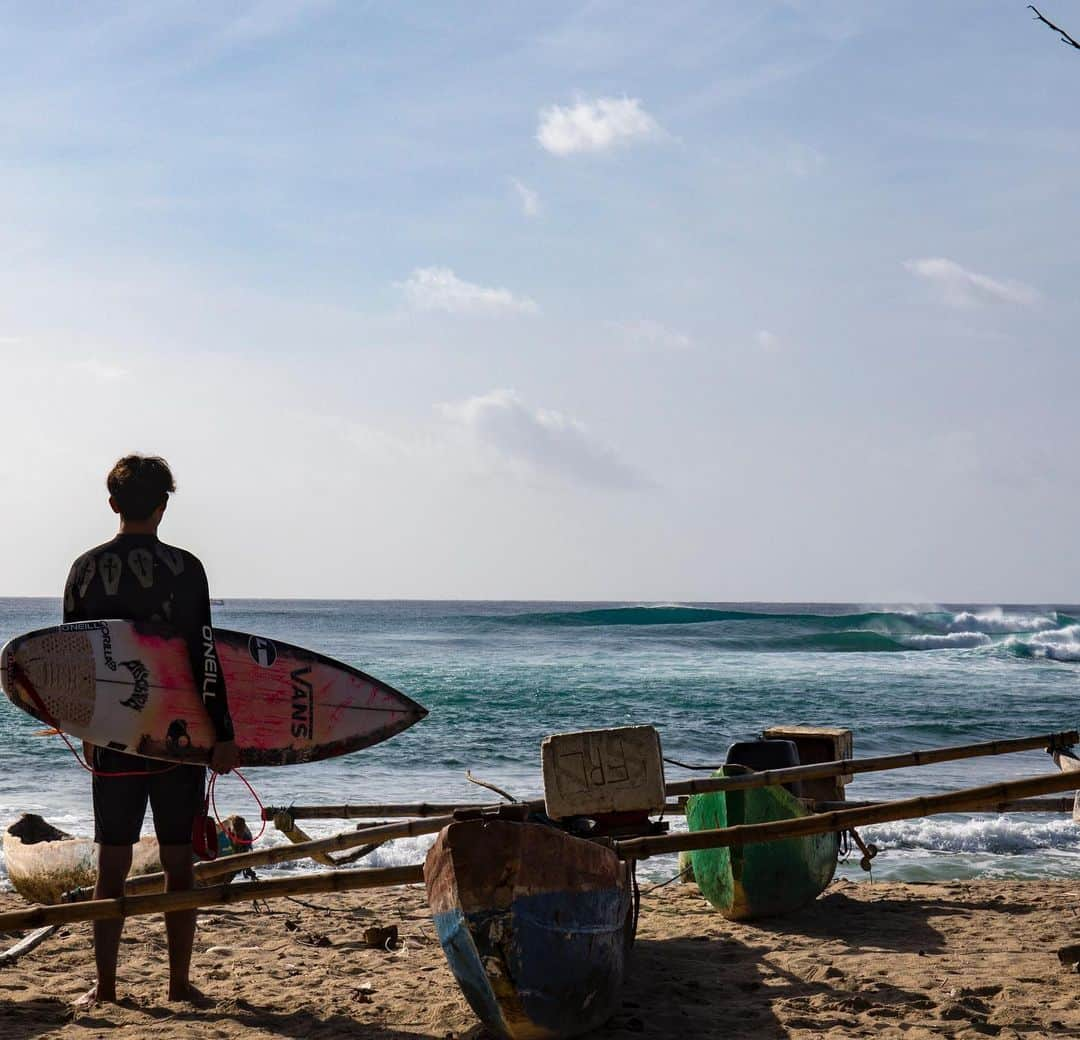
[204, 835]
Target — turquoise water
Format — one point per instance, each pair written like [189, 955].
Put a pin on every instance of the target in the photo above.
[498, 677]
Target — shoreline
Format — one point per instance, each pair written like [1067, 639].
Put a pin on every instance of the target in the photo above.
[963, 959]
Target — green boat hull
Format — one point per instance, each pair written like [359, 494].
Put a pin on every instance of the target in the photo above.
[767, 878]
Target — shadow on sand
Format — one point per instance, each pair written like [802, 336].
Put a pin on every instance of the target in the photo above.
[32, 1018]
[895, 924]
[729, 986]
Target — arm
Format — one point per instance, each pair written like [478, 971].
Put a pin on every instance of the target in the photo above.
[72, 600]
[206, 669]
[73, 611]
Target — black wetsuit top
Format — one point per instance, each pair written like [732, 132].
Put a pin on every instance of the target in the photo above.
[136, 577]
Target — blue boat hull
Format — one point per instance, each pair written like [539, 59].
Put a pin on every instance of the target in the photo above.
[538, 948]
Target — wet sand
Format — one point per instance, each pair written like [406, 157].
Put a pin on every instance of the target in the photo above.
[963, 959]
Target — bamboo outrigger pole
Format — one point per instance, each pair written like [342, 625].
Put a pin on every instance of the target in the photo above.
[1020, 805]
[844, 766]
[303, 850]
[675, 808]
[637, 848]
[414, 810]
[963, 800]
[135, 906]
[770, 777]
[764, 778]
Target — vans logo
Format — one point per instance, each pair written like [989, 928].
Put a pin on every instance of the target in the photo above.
[303, 704]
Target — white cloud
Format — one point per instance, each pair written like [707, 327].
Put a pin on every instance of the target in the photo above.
[530, 200]
[646, 334]
[594, 126]
[960, 287]
[540, 441]
[439, 289]
[767, 340]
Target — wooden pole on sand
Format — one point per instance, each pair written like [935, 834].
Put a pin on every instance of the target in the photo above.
[135, 906]
[963, 800]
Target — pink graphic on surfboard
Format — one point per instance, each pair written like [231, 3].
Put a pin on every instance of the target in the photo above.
[129, 686]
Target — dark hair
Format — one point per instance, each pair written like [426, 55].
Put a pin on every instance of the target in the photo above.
[139, 484]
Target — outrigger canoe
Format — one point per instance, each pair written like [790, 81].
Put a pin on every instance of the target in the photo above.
[769, 878]
[536, 924]
[43, 862]
[764, 879]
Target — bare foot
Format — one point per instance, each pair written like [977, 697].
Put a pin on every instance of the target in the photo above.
[91, 998]
[190, 994]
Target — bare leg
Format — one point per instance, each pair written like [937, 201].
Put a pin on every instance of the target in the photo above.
[114, 861]
[179, 924]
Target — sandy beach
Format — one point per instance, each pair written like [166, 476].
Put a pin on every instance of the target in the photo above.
[963, 959]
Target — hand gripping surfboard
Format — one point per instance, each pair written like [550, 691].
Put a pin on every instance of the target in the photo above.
[129, 686]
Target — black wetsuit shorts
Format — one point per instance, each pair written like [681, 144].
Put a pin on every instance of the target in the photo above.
[176, 795]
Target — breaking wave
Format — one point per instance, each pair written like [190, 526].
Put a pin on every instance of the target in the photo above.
[1060, 644]
[999, 835]
[1021, 632]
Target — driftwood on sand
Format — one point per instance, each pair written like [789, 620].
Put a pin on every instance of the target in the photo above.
[27, 943]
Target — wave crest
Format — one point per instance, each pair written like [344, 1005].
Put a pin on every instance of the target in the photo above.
[997, 834]
[1023, 632]
[1060, 644]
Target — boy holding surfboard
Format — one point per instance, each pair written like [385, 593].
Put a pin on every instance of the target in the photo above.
[137, 577]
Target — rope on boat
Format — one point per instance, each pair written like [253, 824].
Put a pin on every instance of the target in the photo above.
[661, 884]
[684, 765]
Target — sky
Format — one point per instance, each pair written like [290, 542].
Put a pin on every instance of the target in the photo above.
[681, 302]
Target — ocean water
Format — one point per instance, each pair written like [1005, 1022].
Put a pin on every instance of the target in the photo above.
[498, 677]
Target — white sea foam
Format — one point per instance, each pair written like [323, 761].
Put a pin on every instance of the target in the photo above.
[1059, 644]
[994, 834]
[952, 640]
[1001, 622]
[401, 852]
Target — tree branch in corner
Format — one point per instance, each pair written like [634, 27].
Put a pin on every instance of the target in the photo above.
[1064, 36]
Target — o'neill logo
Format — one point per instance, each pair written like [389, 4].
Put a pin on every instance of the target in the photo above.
[262, 651]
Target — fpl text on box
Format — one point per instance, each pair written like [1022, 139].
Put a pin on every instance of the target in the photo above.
[602, 771]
